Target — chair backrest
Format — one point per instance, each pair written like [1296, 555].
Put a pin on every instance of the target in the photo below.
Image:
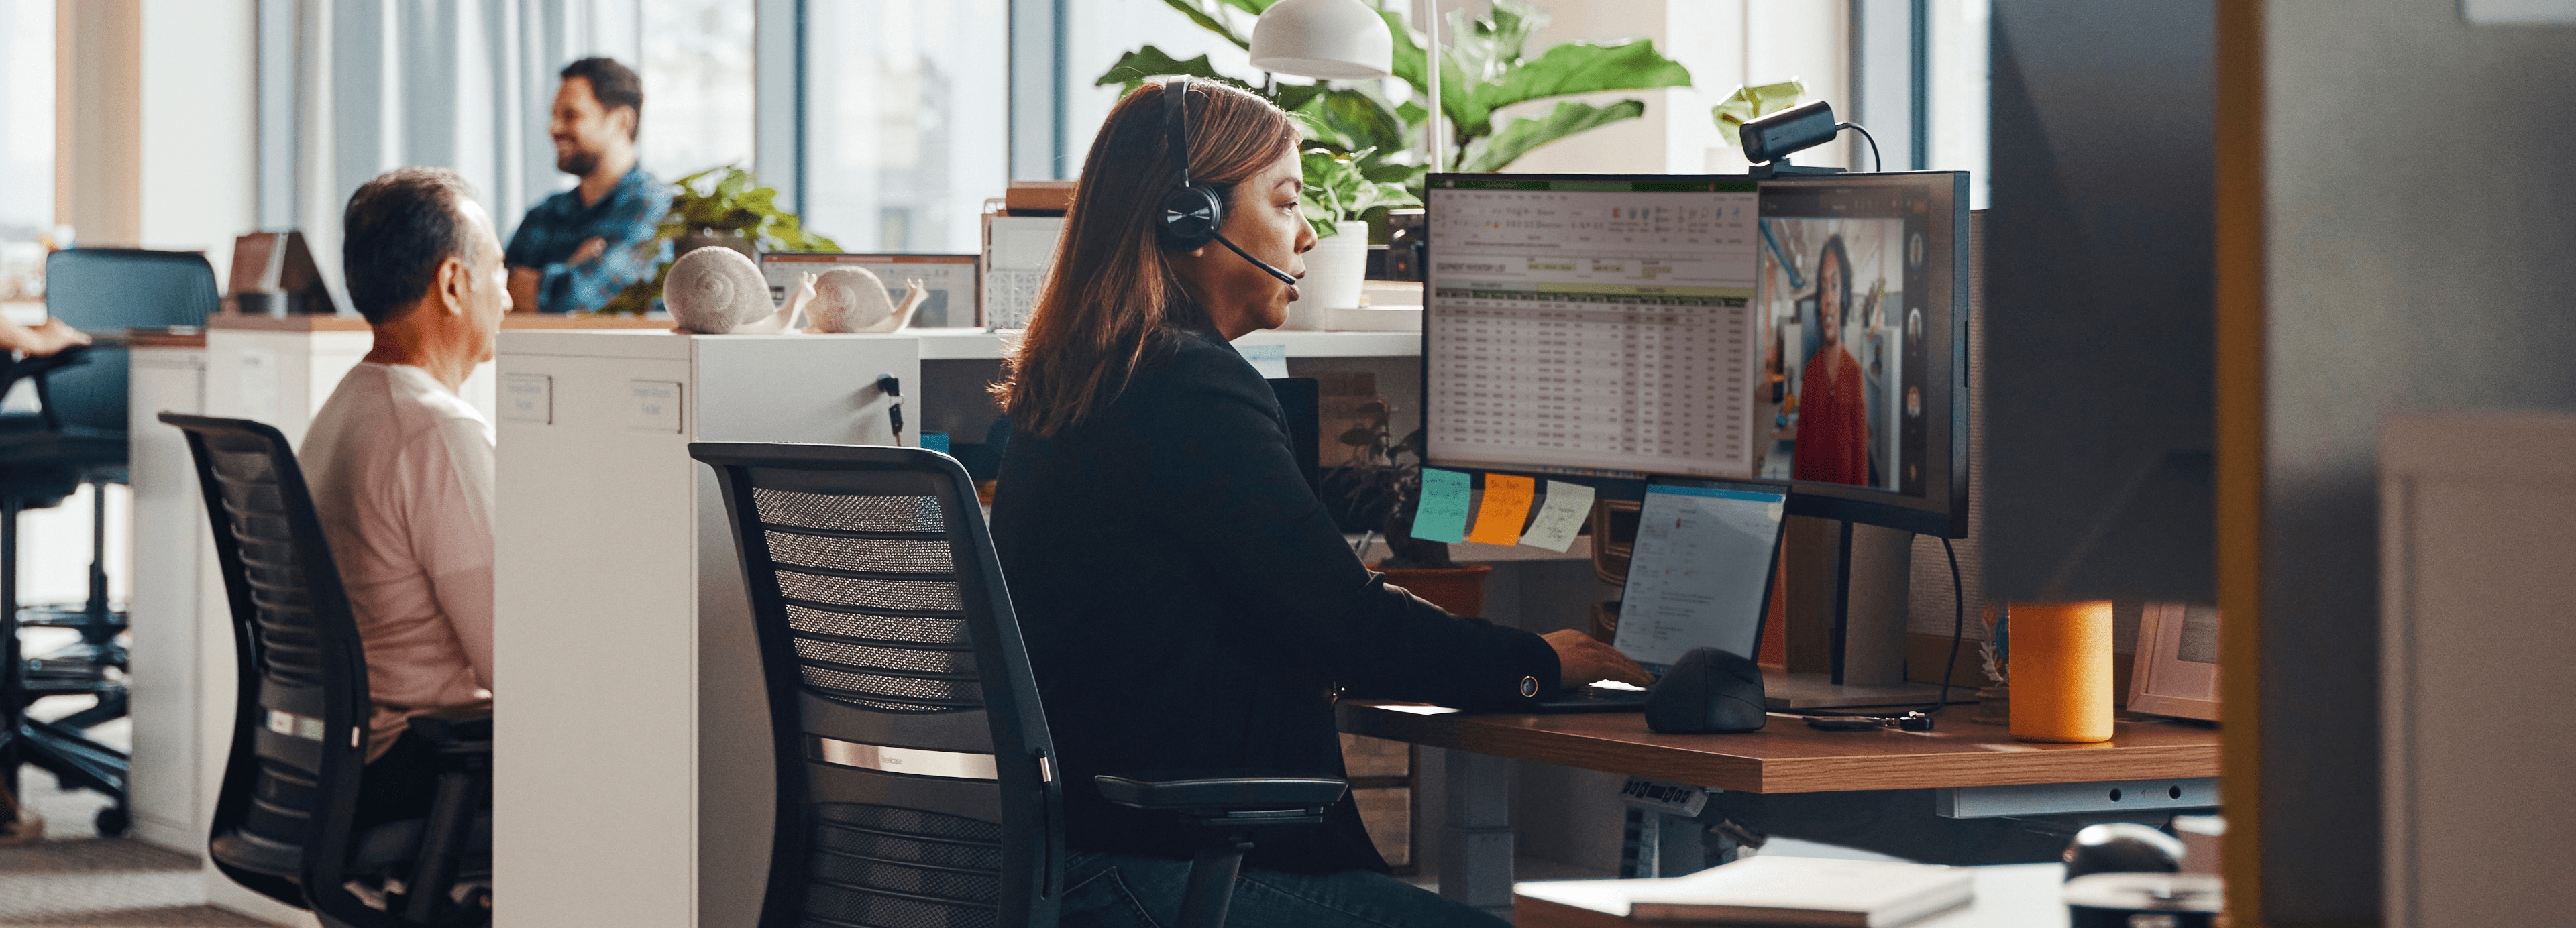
[916, 779]
[300, 720]
[111, 289]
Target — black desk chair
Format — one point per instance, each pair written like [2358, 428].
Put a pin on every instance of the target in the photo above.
[80, 434]
[283, 820]
[916, 779]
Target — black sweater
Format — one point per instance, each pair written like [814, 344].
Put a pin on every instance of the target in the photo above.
[1190, 609]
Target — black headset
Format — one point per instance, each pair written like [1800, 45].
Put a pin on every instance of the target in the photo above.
[1192, 212]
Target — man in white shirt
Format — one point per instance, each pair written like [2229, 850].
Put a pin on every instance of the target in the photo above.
[401, 467]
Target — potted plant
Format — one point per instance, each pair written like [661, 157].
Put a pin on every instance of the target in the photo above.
[1381, 485]
[1483, 70]
[1342, 191]
[733, 212]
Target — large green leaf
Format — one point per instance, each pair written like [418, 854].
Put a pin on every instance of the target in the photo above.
[1409, 55]
[1211, 17]
[1583, 67]
[1519, 136]
[1135, 68]
[1361, 116]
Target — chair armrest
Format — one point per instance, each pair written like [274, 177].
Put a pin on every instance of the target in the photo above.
[455, 733]
[1224, 797]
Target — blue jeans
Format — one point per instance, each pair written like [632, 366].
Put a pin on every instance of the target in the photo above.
[1127, 891]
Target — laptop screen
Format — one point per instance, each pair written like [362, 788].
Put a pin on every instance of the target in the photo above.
[1701, 572]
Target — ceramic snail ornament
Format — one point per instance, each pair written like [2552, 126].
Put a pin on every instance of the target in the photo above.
[717, 291]
[854, 300]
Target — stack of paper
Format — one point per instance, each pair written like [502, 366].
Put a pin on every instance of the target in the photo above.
[1805, 891]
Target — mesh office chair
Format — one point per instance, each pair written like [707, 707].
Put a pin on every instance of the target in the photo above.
[282, 825]
[916, 779]
[78, 437]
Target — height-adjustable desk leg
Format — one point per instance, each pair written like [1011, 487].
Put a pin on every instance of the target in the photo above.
[1476, 841]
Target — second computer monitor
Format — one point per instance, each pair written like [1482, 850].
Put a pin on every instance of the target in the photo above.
[1862, 299]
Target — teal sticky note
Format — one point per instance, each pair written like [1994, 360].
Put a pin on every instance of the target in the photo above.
[1442, 514]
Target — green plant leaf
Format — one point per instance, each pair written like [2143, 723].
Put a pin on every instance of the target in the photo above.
[1293, 97]
[1363, 117]
[1584, 67]
[1749, 103]
[1135, 68]
[1521, 135]
[1211, 17]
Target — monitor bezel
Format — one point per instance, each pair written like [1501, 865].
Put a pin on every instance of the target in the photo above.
[1937, 513]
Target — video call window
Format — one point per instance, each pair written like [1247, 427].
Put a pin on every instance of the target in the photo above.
[1843, 352]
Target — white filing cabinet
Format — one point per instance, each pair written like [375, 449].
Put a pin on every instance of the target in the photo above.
[175, 770]
[633, 780]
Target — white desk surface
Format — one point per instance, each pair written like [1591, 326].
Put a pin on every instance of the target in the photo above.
[2011, 896]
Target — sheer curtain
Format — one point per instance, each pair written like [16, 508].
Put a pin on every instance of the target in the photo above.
[460, 84]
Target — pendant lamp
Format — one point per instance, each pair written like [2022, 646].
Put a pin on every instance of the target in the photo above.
[1341, 40]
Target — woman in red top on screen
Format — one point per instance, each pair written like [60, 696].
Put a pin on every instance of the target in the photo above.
[1833, 416]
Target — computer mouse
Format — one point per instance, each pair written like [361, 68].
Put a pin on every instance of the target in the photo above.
[1708, 691]
[2122, 847]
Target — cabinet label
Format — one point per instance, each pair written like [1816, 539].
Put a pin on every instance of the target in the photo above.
[653, 406]
[528, 398]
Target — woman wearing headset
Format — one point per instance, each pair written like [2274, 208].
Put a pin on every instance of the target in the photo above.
[1190, 608]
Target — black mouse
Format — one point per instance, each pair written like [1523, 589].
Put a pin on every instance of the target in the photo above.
[1707, 691]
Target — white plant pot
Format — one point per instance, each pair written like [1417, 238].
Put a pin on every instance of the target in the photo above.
[1334, 271]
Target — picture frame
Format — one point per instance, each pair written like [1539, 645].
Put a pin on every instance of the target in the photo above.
[2176, 673]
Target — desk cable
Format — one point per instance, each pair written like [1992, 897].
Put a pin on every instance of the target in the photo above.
[1914, 720]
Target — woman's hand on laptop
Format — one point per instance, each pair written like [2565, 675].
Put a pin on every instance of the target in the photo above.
[1581, 659]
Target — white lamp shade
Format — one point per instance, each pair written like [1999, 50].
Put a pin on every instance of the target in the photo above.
[1323, 39]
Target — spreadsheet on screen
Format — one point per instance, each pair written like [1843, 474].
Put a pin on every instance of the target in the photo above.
[1593, 325]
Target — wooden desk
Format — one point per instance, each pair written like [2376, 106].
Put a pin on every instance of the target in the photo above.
[1786, 756]
[1980, 767]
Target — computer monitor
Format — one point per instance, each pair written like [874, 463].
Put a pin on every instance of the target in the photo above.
[948, 281]
[1590, 325]
[1650, 326]
[1862, 301]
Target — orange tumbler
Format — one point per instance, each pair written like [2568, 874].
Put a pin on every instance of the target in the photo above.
[2061, 671]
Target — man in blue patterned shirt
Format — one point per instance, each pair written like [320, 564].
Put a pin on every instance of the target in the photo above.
[578, 248]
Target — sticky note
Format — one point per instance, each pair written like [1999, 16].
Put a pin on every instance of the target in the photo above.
[1270, 360]
[1507, 502]
[1442, 514]
[1568, 504]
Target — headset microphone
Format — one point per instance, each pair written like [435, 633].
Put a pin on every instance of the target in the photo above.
[1192, 213]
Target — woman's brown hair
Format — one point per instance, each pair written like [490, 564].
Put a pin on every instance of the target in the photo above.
[1111, 292]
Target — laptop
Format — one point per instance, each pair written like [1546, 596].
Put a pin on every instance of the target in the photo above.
[1700, 577]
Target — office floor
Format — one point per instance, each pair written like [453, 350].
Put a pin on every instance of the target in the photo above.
[75, 879]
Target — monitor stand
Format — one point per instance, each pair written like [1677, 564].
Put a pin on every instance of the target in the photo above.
[1847, 590]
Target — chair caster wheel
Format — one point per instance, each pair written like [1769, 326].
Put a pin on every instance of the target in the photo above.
[112, 822]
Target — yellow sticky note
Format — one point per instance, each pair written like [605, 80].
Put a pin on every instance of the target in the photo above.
[1507, 502]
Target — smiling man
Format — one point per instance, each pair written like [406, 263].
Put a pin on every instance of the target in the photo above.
[580, 247]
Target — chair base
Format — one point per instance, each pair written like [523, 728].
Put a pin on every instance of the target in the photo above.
[76, 762]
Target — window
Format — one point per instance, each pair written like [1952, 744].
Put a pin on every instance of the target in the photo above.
[1957, 86]
[1099, 32]
[697, 85]
[907, 121]
[26, 127]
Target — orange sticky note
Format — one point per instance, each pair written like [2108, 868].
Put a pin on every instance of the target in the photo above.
[1506, 506]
